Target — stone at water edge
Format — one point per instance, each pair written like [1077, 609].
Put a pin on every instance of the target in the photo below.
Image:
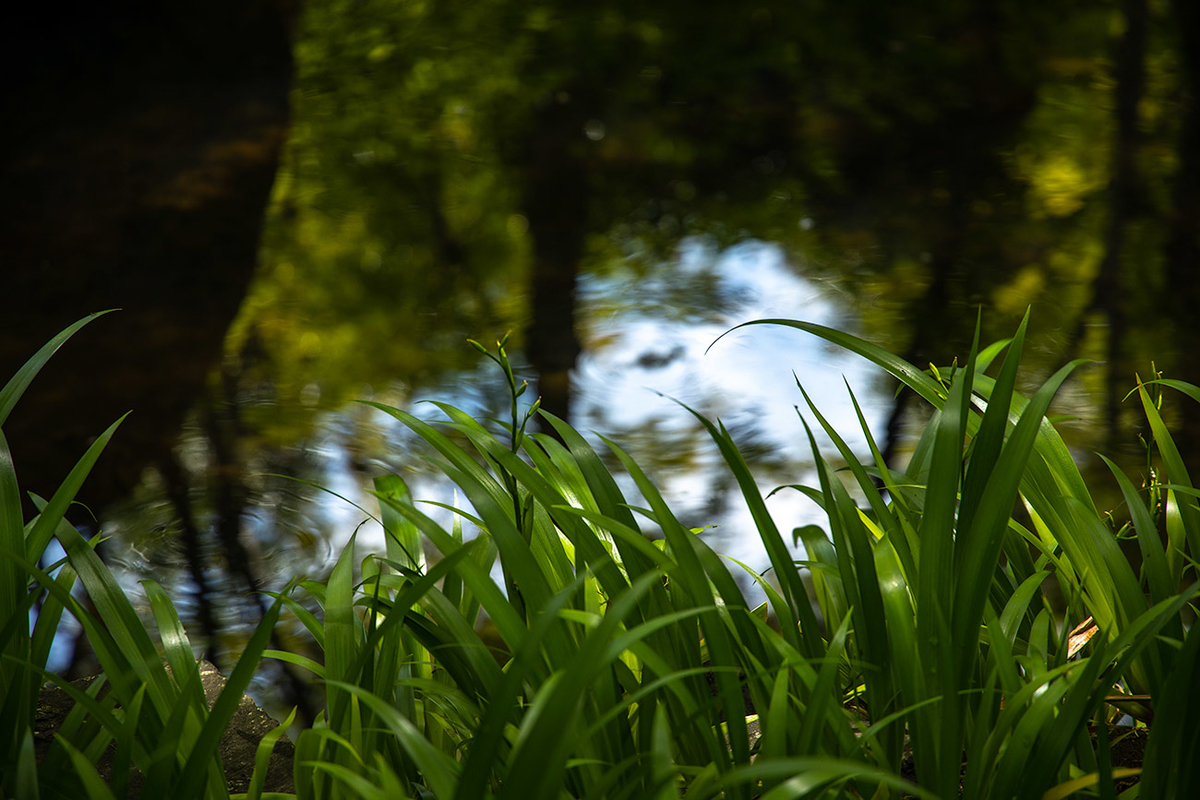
[237, 747]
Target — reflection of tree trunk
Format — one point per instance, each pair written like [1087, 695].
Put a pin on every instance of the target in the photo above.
[223, 429]
[176, 484]
[1108, 296]
[928, 321]
[228, 487]
[952, 183]
[1183, 236]
[556, 205]
[135, 164]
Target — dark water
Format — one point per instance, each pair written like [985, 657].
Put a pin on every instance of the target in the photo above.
[890, 172]
[641, 364]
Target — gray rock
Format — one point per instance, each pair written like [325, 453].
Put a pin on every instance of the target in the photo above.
[237, 748]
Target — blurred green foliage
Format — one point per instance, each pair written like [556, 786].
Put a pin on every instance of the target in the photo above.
[919, 161]
[928, 160]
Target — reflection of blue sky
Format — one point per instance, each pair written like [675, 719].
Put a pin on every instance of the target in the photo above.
[644, 352]
[748, 372]
[647, 339]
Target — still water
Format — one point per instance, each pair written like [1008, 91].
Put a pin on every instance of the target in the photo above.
[649, 351]
[646, 359]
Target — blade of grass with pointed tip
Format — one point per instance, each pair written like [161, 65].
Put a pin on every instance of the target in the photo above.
[262, 757]
[1177, 471]
[861, 583]
[176, 646]
[50, 614]
[439, 770]
[664, 775]
[983, 541]
[18, 383]
[866, 485]
[403, 539]
[490, 736]
[691, 576]
[489, 498]
[113, 606]
[475, 576]
[906, 373]
[93, 784]
[900, 618]
[26, 781]
[1154, 557]
[12, 538]
[902, 533]
[52, 513]
[935, 588]
[550, 496]
[798, 609]
[200, 759]
[989, 439]
[341, 638]
[821, 710]
[414, 592]
[609, 498]
[451, 451]
[823, 567]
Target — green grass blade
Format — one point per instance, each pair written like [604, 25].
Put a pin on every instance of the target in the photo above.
[822, 711]
[983, 541]
[262, 757]
[906, 373]
[403, 538]
[936, 555]
[53, 512]
[1154, 557]
[664, 780]
[201, 757]
[1177, 472]
[26, 782]
[475, 576]
[176, 646]
[17, 385]
[437, 768]
[12, 537]
[93, 784]
[609, 499]
[341, 638]
[900, 528]
[799, 608]
[989, 439]
[1172, 761]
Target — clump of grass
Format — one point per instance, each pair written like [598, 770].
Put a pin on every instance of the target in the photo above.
[633, 668]
[941, 661]
[153, 719]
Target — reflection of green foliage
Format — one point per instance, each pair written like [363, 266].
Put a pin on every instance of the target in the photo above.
[1066, 155]
[399, 217]
[926, 162]
[389, 222]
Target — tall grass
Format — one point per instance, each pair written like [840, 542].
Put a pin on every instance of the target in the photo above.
[153, 718]
[926, 660]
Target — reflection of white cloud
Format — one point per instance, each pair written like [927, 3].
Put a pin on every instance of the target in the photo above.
[747, 371]
[747, 374]
[750, 368]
